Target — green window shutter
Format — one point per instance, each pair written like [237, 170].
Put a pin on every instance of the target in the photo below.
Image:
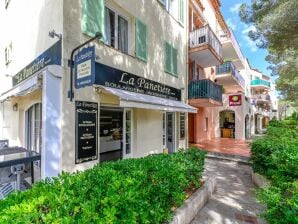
[168, 57]
[141, 40]
[174, 61]
[92, 17]
[181, 11]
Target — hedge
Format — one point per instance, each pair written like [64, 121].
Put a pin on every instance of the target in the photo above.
[143, 190]
[276, 157]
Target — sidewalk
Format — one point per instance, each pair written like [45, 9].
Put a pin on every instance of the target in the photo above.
[226, 146]
[234, 201]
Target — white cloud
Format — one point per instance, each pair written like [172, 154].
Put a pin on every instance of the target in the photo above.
[235, 8]
[248, 28]
[251, 45]
[231, 24]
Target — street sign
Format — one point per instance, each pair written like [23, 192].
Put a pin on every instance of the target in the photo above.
[84, 64]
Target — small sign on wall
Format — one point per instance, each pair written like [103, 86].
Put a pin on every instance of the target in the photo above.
[84, 64]
[86, 131]
[235, 100]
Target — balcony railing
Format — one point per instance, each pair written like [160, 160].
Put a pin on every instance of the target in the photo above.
[204, 89]
[229, 67]
[205, 35]
[259, 82]
[261, 97]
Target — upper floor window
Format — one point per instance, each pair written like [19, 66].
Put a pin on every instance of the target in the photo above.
[117, 30]
[8, 54]
[175, 8]
[6, 3]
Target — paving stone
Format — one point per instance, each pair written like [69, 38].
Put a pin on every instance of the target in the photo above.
[234, 201]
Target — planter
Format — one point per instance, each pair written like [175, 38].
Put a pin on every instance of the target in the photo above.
[259, 180]
[186, 213]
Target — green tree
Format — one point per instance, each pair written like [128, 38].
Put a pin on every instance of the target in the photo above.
[276, 23]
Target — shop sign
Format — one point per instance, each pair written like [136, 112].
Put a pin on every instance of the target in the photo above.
[115, 78]
[84, 64]
[52, 56]
[86, 131]
[235, 100]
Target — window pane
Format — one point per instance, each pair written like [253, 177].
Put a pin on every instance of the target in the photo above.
[168, 57]
[109, 27]
[182, 125]
[122, 34]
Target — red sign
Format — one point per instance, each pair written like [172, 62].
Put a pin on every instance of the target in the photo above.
[235, 100]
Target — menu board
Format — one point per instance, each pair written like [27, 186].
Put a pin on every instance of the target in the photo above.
[86, 131]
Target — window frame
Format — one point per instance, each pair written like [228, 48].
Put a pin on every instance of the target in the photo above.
[117, 13]
[182, 114]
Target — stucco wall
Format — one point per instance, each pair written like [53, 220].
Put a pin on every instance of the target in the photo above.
[161, 27]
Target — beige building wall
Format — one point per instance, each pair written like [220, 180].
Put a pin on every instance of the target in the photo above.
[161, 27]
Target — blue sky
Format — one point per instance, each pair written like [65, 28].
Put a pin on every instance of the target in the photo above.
[256, 56]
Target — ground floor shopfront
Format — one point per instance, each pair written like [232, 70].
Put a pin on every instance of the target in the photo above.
[233, 119]
[100, 124]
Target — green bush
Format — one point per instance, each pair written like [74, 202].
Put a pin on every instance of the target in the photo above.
[276, 157]
[129, 191]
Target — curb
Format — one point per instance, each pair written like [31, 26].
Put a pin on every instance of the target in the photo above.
[259, 180]
[186, 213]
[234, 158]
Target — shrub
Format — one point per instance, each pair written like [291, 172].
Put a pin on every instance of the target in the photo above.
[276, 157]
[129, 191]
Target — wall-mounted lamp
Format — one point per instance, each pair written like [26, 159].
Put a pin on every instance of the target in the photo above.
[15, 107]
[54, 34]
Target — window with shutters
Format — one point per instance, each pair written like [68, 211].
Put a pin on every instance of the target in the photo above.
[117, 30]
[171, 62]
[176, 8]
[141, 40]
[8, 54]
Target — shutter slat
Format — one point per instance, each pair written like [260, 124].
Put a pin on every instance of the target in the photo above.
[174, 61]
[92, 17]
[141, 40]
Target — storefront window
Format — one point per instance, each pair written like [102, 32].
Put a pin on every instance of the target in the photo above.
[182, 125]
[128, 122]
[33, 128]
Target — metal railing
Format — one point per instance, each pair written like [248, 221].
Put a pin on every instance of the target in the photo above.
[259, 82]
[229, 67]
[203, 36]
[204, 88]
[262, 97]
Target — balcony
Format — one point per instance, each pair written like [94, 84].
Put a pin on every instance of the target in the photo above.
[205, 47]
[261, 98]
[231, 49]
[228, 76]
[260, 84]
[204, 93]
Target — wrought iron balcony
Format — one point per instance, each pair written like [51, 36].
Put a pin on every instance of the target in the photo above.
[205, 47]
[260, 83]
[205, 89]
[228, 68]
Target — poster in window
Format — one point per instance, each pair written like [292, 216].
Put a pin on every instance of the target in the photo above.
[86, 131]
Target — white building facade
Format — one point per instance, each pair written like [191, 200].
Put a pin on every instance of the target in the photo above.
[136, 102]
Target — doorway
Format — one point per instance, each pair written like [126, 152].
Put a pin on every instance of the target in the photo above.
[115, 133]
[247, 127]
[169, 125]
[227, 124]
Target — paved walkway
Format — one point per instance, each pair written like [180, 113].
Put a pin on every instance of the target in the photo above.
[225, 145]
[234, 200]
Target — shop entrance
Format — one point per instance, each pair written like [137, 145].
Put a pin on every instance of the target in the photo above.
[247, 127]
[111, 134]
[170, 131]
[227, 124]
[115, 133]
